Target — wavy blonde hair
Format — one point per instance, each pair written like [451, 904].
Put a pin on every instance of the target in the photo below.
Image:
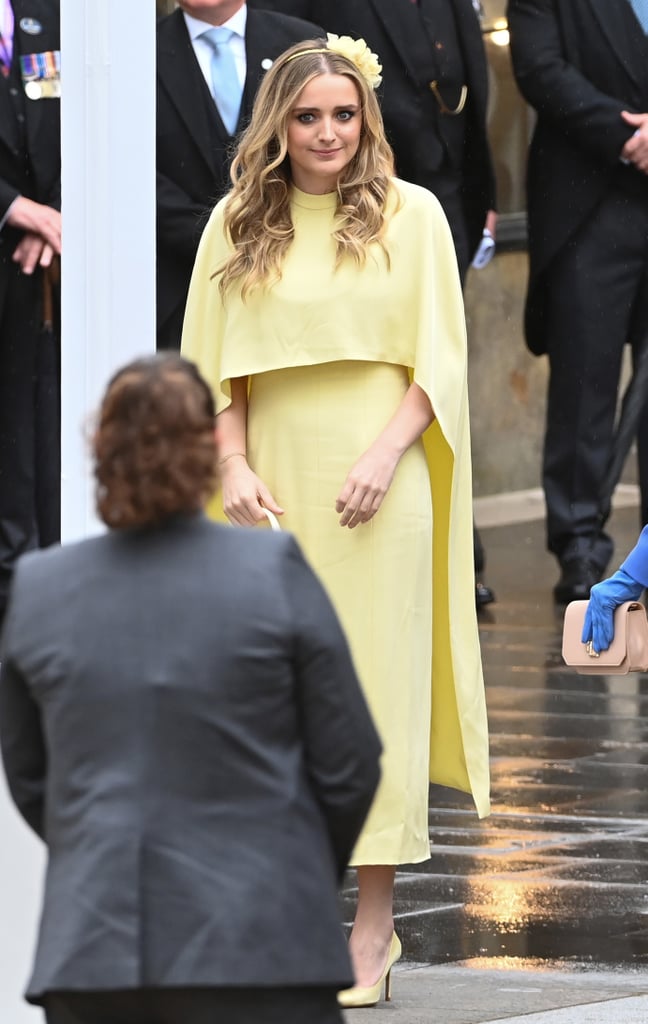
[257, 210]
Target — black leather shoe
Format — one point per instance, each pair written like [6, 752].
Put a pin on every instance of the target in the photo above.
[483, 594]
[577, 577]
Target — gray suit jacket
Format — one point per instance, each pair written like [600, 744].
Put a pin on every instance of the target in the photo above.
[181, 722]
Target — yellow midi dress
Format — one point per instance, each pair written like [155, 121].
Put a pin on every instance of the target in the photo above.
[329, 354]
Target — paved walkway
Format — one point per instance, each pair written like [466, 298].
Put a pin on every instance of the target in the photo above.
[463, 993]
[537, 915]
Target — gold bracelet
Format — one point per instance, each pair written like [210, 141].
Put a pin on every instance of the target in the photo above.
[231, 456]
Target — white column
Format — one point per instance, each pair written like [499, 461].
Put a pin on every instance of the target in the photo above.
[108, 158]
[108, 109]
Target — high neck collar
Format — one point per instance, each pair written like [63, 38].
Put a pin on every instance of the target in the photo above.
[312, 202]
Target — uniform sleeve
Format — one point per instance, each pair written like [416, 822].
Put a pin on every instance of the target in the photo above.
[8, 195]
[342, 747]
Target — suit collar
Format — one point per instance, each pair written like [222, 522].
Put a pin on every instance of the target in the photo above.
[236, 24]
[614, 27]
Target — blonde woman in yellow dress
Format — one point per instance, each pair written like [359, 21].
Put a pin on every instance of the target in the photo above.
[326, 311]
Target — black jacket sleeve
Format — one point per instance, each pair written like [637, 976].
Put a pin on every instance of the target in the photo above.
[557, 88]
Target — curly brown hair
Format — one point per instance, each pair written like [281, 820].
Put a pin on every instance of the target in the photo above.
[154, 446]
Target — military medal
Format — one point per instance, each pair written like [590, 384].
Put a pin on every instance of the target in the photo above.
[41, 74]
[31, 26]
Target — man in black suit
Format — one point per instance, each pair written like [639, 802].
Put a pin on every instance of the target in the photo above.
[194, 145]
[582, 64]
[30, 239]
[433, 100]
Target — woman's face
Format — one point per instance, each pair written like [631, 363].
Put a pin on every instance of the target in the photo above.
[324, 130]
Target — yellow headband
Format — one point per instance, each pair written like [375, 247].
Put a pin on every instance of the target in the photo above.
[355, 50]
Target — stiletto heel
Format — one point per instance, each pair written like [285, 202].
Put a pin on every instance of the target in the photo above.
[369, 995]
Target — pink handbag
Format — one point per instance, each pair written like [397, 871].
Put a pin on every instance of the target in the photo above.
[628, 651]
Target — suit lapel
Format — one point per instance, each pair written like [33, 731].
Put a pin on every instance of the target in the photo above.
[258, 60]
[403, 24]
[178, 72]
[607, 15]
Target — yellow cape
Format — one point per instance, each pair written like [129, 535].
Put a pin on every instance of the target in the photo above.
[409, 312]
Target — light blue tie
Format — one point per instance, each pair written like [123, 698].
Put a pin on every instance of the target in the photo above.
[226, 88]
[640, 7]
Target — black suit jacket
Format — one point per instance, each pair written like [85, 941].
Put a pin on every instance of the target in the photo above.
[194, 150]
[392, 28]
[578, 65]
[181, 722]
[30, 145]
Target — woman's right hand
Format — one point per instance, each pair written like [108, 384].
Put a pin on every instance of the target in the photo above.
[244, 494]
[604, 598]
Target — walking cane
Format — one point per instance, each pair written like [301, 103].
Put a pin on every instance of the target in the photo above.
[51, 277]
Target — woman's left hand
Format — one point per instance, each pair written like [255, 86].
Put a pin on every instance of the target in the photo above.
[366, 486]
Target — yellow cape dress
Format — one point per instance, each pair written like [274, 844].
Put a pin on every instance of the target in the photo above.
[329, 354]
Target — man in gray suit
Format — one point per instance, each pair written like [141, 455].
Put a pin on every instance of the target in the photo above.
[181, 723]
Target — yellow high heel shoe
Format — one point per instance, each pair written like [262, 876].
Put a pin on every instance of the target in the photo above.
[369, 995]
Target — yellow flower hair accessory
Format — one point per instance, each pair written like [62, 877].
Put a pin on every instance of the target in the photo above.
[357, 51]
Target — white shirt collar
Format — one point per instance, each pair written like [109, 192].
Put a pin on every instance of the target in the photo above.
[235, 24]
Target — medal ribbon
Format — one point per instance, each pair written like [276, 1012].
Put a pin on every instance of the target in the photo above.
[41, 66]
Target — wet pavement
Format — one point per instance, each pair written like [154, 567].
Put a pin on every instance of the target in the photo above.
[538, 914]
[554, 883]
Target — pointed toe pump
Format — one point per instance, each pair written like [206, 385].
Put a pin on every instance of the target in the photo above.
[369, 995]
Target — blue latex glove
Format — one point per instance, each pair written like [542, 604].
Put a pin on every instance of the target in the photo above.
[604, 598]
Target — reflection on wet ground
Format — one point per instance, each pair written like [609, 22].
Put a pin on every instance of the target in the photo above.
[559, 871]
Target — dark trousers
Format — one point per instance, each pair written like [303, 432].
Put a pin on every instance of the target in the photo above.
[597, 301]
[29, 422]
[447, 189]
[195, 1006]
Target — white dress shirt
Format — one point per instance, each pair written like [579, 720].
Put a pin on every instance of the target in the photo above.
[205, 50]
